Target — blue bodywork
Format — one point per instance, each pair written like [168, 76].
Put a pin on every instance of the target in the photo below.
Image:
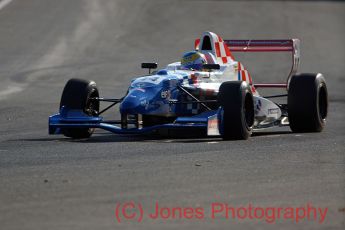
[151, 94]
[147, 95]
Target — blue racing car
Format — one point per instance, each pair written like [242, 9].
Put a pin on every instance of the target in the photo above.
[206, 90]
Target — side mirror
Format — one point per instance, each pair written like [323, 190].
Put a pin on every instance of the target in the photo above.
[149, 65]
[211, 67]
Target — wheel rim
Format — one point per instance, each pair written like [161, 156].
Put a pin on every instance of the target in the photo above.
[323, 102]
[92, 106]
[249, 110]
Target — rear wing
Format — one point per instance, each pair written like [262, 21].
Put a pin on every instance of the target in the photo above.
[281, 45]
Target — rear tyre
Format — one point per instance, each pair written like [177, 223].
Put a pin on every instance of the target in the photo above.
[76, 95]
[307, 102]
[236, 99]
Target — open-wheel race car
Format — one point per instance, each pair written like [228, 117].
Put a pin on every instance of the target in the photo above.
[207, 90]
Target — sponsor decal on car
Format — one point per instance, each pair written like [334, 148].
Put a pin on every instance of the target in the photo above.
[165, 94]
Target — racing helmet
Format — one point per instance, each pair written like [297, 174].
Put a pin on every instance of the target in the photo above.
[193, 60]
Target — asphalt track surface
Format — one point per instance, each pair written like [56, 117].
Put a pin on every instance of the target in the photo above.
[51, 182]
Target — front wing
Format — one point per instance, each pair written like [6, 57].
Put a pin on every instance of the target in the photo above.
[208, 121]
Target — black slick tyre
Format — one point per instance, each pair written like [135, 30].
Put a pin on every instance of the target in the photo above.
[236, 99]
[307, 102]
[77, 95]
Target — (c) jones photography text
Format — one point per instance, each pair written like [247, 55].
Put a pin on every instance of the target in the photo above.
[134, 211]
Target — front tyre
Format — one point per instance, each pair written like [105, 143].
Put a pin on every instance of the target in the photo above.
[77, 95]
[307, 102]
[236, 100]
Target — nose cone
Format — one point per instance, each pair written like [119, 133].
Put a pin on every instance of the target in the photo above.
[134, 103]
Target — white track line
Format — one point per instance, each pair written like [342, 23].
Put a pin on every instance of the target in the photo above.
[4, 3]
[9, 90]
